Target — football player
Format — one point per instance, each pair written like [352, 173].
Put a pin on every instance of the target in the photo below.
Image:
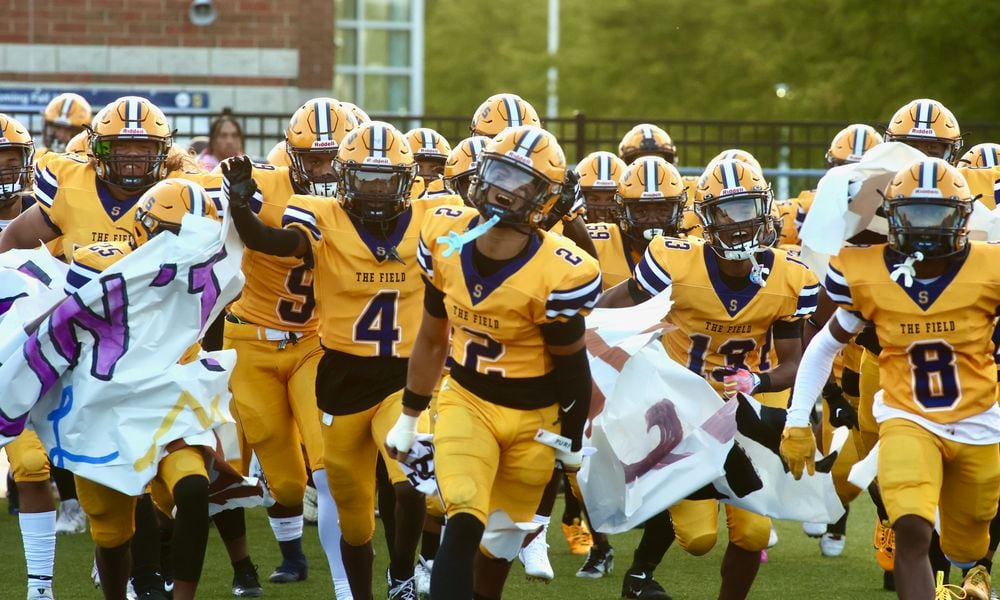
[847, 147]
[513, 298]
[500, 111]
[430, 150]
[461, 165]
[691, 226]
[277, 156]
[182, 472]
[599, 174]
[28, 459]
[89, 199]
[363, 248]
[929, 293]
[646, 139]
[273, 328]
[733, 279]
[930, 127]
[65, 117]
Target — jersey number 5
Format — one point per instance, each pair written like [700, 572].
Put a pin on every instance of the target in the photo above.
[934, 375]
[298, 283]
[377, 323]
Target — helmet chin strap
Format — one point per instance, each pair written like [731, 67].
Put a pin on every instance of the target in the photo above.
[455, 241]
[651, 233]
[905, 269]
[758, 272]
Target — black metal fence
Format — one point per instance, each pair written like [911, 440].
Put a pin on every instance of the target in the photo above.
[791, 152]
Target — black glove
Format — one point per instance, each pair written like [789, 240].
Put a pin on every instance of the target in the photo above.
[567, 199]
[842, 414]
[238, 172]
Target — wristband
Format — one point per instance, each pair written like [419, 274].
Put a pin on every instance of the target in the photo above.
[416, 401]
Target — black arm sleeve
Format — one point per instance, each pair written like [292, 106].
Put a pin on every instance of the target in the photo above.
[786, 330]
[434, 300]
[258, 236]
[572, 377]
[638, 294]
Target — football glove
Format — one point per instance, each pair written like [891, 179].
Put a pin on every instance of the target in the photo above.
[798, 449]
[739, 381]
[570, 460]
[238, 173]
[400, 438]
[841, 413]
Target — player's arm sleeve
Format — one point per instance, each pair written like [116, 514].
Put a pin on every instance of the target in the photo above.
[837, 288]
[433, 296]
[817, 361]
[807, 300]
[651, 274]
[269, 240]
[571, 375]
[79, 275]
[577, 297]
[46, 187]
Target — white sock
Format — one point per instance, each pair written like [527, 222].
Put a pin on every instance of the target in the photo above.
[286, 529]
[329, 535]
[38, 532]
[68, 504]
[541, 520]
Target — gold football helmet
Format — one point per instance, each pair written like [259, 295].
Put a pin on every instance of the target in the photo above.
[129, 143]
[430, 150]
[376, 170]
[79, 144]
[311, 140]
[65, 116]
[927, 126]
[17, 153]
[733, 201]
[500, 111]
[599, 173]
[646, 139]
[359, 115]
[928, 205]
[164, 205]
[461, 165]
[851, 143]
[277, 156]
[651, 200]
[981, 156]
[519, 177]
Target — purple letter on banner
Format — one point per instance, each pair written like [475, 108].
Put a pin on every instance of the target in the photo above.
[110, 333]
[202, 279]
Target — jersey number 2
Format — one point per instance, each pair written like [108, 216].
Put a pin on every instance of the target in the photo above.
[377, 323]
[934, 375]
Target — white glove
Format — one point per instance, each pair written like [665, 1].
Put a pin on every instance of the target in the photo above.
[402, 435]
[570, 461]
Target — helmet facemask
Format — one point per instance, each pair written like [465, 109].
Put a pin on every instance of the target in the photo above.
[304, 163]
[513, 192]
[378, 193]
[739, 225]
[645, 218]
[601, 204]
[934, 227]
[16, 173]
[53, 133]
[131, 171]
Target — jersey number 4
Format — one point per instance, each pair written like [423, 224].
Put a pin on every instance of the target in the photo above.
[377, 323]
[934, 375]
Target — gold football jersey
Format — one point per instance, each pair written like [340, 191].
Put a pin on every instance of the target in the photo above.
[716, 326]
[369, 295]
[278, 292]
[422, 190]
[89, 261]
[81, 208]
[936, 337]
[495, 320]
[616, 258]
[983, 182]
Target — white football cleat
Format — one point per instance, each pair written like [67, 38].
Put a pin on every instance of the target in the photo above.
[772, 539]
[71, 518]
[422, 575]
[832, 545]
[535, 557]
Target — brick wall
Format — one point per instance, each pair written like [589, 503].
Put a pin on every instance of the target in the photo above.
[279, 43]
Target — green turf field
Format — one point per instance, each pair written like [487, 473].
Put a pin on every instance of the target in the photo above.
[795, 571]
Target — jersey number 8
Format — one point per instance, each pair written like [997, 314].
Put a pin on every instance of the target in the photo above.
[934, 375]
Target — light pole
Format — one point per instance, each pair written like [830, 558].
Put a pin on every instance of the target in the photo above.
[552, 105]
